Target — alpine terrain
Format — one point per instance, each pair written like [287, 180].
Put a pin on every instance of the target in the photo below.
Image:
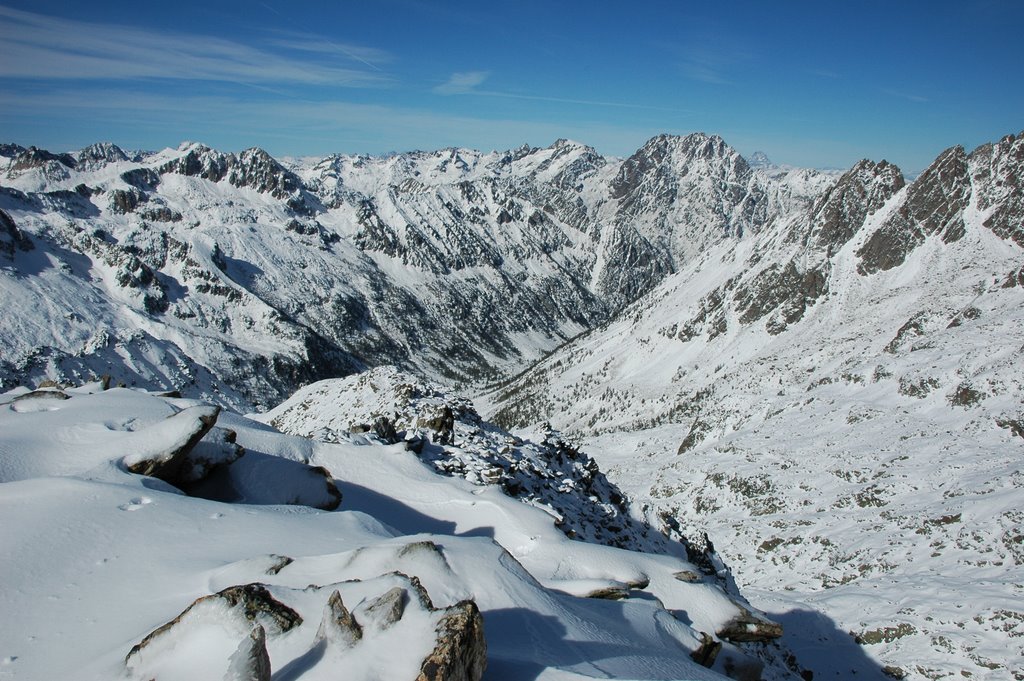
[727, 418]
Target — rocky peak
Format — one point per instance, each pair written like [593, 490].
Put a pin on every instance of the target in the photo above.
[996, 170]
[10, 150]
[33, 157]
[934, 204]
[840, 212]
[657, 167]
[253, 168]
[759, 159]
[453, 157]
[677, 195]
[259, 170]
[566, 146]
[198, 161]
[98, 155]
[565, 163]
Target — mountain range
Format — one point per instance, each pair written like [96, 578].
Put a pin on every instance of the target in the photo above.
[820, 371]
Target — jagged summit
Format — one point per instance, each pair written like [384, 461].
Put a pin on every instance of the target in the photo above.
[759, 159]
[455, 263]
[99, 154]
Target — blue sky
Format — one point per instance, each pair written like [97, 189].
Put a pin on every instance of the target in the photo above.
[810, 83]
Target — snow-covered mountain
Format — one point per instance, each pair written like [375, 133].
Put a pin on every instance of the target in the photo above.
[838, 401]
[238, 278]
[818, 372]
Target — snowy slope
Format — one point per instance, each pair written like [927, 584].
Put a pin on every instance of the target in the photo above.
[97, 559]
[837, 402]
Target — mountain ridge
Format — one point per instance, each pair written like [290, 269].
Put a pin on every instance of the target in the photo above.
[808, 395]
[527, 248]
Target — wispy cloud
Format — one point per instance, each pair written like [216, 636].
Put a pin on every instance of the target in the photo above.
[46, 47]
[909, 96]
[367, 56]
[708, 54]
[467, 83]
[297, 126]
[704, 72]
[462, 83]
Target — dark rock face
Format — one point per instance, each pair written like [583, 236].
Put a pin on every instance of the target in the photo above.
[654, 175]
[145, 179]
[461, 650]
[39, 158]
[913, 328]
[676, 196]
[786, 289]
[252, 168]
[1014, 279]
[256, 168]
[12, 239]
[9, 150]
[126, 201]
[934, 205]
[645, 167]
[634, 266]
[200, 161]
[841, 210]
[708, 651]
[998, 169]
[710, 318]
[254, 600]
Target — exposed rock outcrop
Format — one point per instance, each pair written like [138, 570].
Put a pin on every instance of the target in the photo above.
[165, 447]
[244, 605]
[842, 209]
[461, 650]
[997, 169]
[338, 627]
[256, 619]
[934, 204]
[250, 661]
[749, 627]
[12, 239]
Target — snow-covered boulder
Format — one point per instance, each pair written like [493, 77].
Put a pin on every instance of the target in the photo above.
[245, 632]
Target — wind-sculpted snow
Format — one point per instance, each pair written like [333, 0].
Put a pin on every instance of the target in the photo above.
[843, 432]
[114, 574]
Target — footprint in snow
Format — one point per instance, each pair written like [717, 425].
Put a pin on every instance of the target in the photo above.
[135, 504]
